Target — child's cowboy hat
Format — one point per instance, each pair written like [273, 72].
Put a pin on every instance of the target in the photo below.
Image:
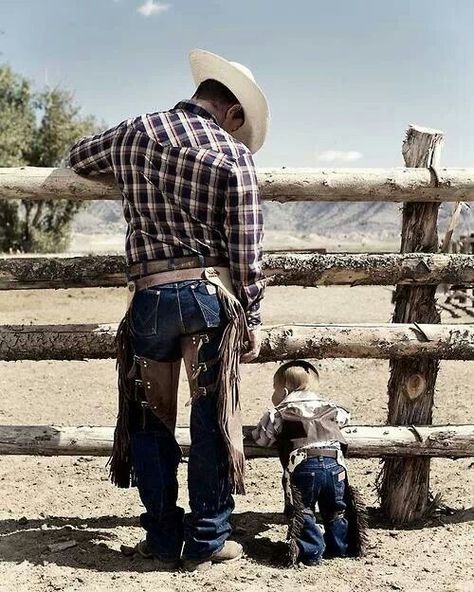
[240, 81]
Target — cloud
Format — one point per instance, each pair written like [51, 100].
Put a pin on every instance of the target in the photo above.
[151, 7]
[333, 155]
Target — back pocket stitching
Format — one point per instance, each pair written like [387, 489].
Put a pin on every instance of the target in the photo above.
[212, 316]
[153, 315]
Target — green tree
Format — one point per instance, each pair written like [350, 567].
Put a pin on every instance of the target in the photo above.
[36, 129]
[17, 126]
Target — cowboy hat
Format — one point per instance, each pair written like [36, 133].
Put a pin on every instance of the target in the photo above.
[240, 81]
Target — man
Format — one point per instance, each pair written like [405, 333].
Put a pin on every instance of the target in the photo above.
[194, 249]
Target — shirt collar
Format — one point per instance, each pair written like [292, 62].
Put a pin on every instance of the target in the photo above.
[300, 397]
[192, 107]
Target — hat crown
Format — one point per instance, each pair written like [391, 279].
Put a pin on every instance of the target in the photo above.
[241, 82]
[244, 70]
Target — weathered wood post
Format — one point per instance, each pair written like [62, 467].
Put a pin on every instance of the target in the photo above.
[405, 481]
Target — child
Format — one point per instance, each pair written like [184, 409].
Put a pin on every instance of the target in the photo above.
[307, 431]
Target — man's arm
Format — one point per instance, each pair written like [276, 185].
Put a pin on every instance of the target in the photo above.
[244, 232]
[92, 154]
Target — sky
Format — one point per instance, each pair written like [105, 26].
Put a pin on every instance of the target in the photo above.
[344, 78]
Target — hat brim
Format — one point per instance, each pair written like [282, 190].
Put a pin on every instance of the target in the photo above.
[206, 65]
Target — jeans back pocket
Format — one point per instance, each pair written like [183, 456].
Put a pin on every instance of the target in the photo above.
[145, 313]
[305, 482]
[208, 302]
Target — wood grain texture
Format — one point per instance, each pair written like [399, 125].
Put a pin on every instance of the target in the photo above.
[283, 185]
[405, 486]
[281, 342]
[281, 269]
[448, 441]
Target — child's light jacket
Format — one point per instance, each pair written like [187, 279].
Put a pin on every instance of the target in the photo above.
[304, 404]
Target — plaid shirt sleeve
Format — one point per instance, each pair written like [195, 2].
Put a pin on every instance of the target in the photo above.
[244, 231]
[92, 154]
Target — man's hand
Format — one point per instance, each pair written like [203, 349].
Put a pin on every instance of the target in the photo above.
[254, 344]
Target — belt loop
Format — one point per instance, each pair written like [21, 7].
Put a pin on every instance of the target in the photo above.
[171, 264]
[202, 260]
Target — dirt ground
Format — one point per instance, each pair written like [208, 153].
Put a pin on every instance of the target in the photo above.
[48, 500]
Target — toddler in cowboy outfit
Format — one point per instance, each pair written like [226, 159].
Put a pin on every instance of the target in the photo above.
[307, 431]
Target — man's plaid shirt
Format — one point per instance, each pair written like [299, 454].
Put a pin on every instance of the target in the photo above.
[188, 188]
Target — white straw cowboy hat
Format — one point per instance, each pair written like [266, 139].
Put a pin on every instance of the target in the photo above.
[240, 81]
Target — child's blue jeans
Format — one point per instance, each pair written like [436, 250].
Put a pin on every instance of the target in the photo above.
[321, 480]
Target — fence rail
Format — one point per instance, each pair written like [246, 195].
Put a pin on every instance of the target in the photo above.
[284, 185]
[448, 441]
[281, 269]
[281, 342]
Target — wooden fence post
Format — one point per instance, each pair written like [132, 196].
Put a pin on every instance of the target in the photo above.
[404, 488]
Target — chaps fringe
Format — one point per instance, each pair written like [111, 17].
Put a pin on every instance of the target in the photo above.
[228, 383]
[296, 525]
[120, 469]
[356, 516]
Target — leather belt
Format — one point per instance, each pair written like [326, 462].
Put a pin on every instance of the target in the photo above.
[314, 452]
[172, 277]
[146, 268]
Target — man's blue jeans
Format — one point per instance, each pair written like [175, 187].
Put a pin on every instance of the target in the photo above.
[321, 480]
[161, 316]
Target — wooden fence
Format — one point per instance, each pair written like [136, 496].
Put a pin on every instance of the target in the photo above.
[414, 342]
[460, 295]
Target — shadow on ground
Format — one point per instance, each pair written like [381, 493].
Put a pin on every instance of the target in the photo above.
[97, 547]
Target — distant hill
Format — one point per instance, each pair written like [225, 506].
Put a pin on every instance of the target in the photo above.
[333, 219]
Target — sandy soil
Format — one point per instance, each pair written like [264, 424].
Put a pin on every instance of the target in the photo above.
[47, 500]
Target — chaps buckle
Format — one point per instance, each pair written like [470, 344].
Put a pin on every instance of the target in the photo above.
[199, 339]
[198, 368]
[200, 391]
